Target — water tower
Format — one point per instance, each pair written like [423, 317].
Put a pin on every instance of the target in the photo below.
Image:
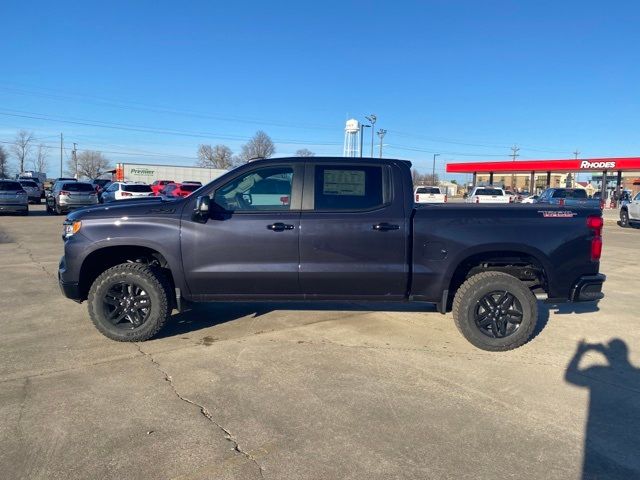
[351, 138]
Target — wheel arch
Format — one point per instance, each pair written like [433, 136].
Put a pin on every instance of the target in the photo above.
[106, 257]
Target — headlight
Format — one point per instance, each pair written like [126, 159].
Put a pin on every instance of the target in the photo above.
[71, 228]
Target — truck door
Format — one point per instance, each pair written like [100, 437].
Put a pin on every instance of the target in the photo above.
[353, 232]
[634, 207]
[249, 245]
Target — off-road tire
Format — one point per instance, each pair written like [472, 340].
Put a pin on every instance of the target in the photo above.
[155, 283]
[624, 218]
[473, 290]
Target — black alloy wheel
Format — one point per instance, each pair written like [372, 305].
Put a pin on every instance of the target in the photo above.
[624, 218]
[126, 305]
[498, 314]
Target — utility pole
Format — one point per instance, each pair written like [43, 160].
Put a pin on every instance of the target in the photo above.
[362, 127]
[372, 120]
[61, 148]
[514, 154]
[381, 133]
[569, 181]
[433, 172]
[75, 158]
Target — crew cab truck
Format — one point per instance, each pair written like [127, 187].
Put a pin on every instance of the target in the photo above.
[488, 195]
[569, 197]
[630, 212]
[328, 229]
[429, 195]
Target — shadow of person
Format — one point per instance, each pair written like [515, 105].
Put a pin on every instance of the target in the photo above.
[612, 438]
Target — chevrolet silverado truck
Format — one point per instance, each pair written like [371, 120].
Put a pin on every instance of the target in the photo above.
[338, 229]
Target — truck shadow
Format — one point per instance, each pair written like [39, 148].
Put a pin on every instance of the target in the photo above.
[612, 431]
[544, 310]
[208, 315]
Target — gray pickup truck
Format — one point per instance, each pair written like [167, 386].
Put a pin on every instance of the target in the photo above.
[338, 229]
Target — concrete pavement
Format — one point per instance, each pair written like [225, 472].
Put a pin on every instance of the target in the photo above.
[316, 391]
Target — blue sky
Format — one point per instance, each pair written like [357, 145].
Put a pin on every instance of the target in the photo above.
[466, 79]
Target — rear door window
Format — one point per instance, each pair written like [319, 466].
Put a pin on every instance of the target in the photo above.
[434, 190]
[350, 187]
[10, 186]
[488, 191]
[78, 187]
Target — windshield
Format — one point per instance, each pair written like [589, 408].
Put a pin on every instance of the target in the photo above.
[189, 187]
[435, 190]
[78, 187]
[570, 193]
[488, 191]
[137, 188]
[9, 186]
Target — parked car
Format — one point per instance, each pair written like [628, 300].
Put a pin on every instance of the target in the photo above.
[630, 212]
[179, 189]
[13, 198]
[348, 229]
[126, 191]
[33, 190]
[158, 185]
[513, 197]
[100, 183]
[530, 199]
[67, 195]
[488, 195]
[569, 197]
[429, 195]
[38, 185]
[59, 179]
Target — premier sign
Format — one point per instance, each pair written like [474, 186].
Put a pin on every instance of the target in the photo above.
[597, 165]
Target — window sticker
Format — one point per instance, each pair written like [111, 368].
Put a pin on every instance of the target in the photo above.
[344, 182]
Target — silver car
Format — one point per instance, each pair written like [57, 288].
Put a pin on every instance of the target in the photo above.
[32, 189]
[13, 198]
[66, 195]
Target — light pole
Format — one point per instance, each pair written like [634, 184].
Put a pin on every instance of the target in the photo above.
[381, 133]
[433, 172]
[362, 127]
[372, 120]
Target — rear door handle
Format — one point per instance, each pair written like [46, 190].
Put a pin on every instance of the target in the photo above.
[280, 227]
[383, 227]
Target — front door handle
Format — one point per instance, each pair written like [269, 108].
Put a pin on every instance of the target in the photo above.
[383, 227]
[280, 227]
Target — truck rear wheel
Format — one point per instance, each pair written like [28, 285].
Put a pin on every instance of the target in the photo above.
[130, 302]
[624, 218]
[495, 311]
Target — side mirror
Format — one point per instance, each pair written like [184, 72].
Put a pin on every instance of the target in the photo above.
[202, 205]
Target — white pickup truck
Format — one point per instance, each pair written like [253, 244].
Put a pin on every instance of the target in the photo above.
[429, 195]
[630, 212]
[488, 195]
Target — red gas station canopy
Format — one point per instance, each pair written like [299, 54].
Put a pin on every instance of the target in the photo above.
[583, 165]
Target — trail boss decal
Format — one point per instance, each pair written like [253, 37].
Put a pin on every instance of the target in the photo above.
[598, 165]
[557, 213]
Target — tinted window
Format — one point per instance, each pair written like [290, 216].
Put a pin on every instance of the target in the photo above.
[78, 187]
[136, 188]
[428, 190]
[189, 187]
[569, 193]
[263, 189]
[10, 186]
[28, 183]
[349, 187]
[488, 191]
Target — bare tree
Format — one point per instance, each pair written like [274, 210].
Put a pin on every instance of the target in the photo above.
[218, 156]
[423, 179]
[22, 147]
[40, 162]
[4, 163]
[305, 152]
[259, 146]
[91, 164]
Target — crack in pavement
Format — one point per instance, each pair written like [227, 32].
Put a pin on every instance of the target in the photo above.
[203, 410]
[29, 253]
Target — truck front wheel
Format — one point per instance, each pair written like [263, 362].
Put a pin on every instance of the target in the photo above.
[495, 311]
[130, 302]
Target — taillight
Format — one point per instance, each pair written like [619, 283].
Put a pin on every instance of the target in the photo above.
[561, 202]
[510, 199]
[64, 192]
[417, 197]
[477, 199]
[445, 198]
[126, 194]
[595, 223]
